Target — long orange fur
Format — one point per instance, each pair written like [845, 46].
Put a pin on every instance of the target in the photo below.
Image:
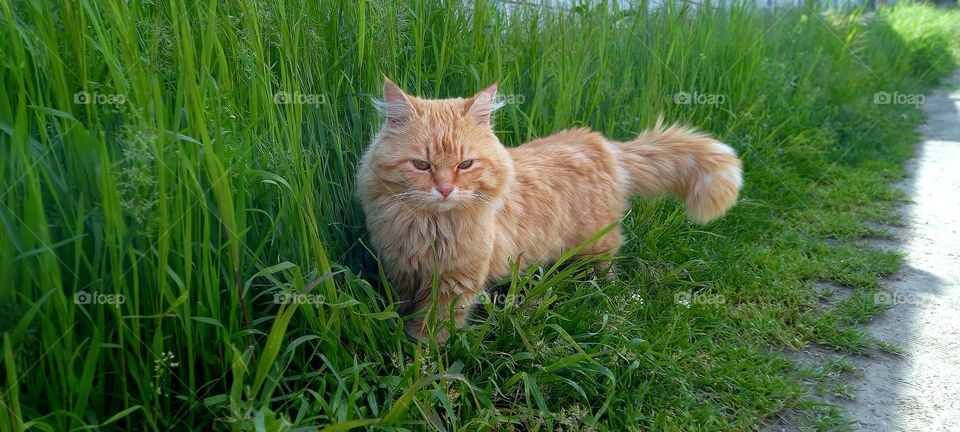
[478, 205]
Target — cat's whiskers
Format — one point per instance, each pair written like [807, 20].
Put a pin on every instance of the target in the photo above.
[483, 199]
[413, 199]
[402, 196]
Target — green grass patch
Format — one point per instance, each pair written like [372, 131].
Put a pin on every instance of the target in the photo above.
[148, 156]
[932, 34]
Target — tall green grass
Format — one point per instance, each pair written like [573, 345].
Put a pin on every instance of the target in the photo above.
[933, 35]
[200, 200]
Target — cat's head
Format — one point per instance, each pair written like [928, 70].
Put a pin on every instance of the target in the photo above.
[437, 154]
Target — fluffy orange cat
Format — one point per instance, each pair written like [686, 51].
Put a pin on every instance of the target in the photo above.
[442, 196]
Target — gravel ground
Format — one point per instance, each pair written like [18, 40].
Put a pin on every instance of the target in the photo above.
[919, 390]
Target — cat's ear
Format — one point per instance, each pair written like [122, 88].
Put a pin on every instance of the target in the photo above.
[482, 105]
[396, 104]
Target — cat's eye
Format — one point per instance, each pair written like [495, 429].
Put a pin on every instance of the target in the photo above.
[420, 165]
[465, 164]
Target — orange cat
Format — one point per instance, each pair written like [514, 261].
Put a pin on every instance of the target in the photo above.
[443, 197]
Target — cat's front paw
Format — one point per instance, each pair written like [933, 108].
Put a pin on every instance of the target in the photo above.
[604, 272]
[417, 329]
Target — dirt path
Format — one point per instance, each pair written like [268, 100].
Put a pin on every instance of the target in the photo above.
[920, 389]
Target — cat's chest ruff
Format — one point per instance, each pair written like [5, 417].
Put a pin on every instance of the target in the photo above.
[441, 229]
[442, 236]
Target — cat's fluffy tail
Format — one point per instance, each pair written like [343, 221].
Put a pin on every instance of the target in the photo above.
[685, 163]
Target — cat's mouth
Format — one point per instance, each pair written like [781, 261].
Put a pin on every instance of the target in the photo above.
[445, 204]
[436, 202]
[450, 202]
[455, 200]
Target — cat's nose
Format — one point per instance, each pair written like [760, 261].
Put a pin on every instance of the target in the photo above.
[445, 190]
